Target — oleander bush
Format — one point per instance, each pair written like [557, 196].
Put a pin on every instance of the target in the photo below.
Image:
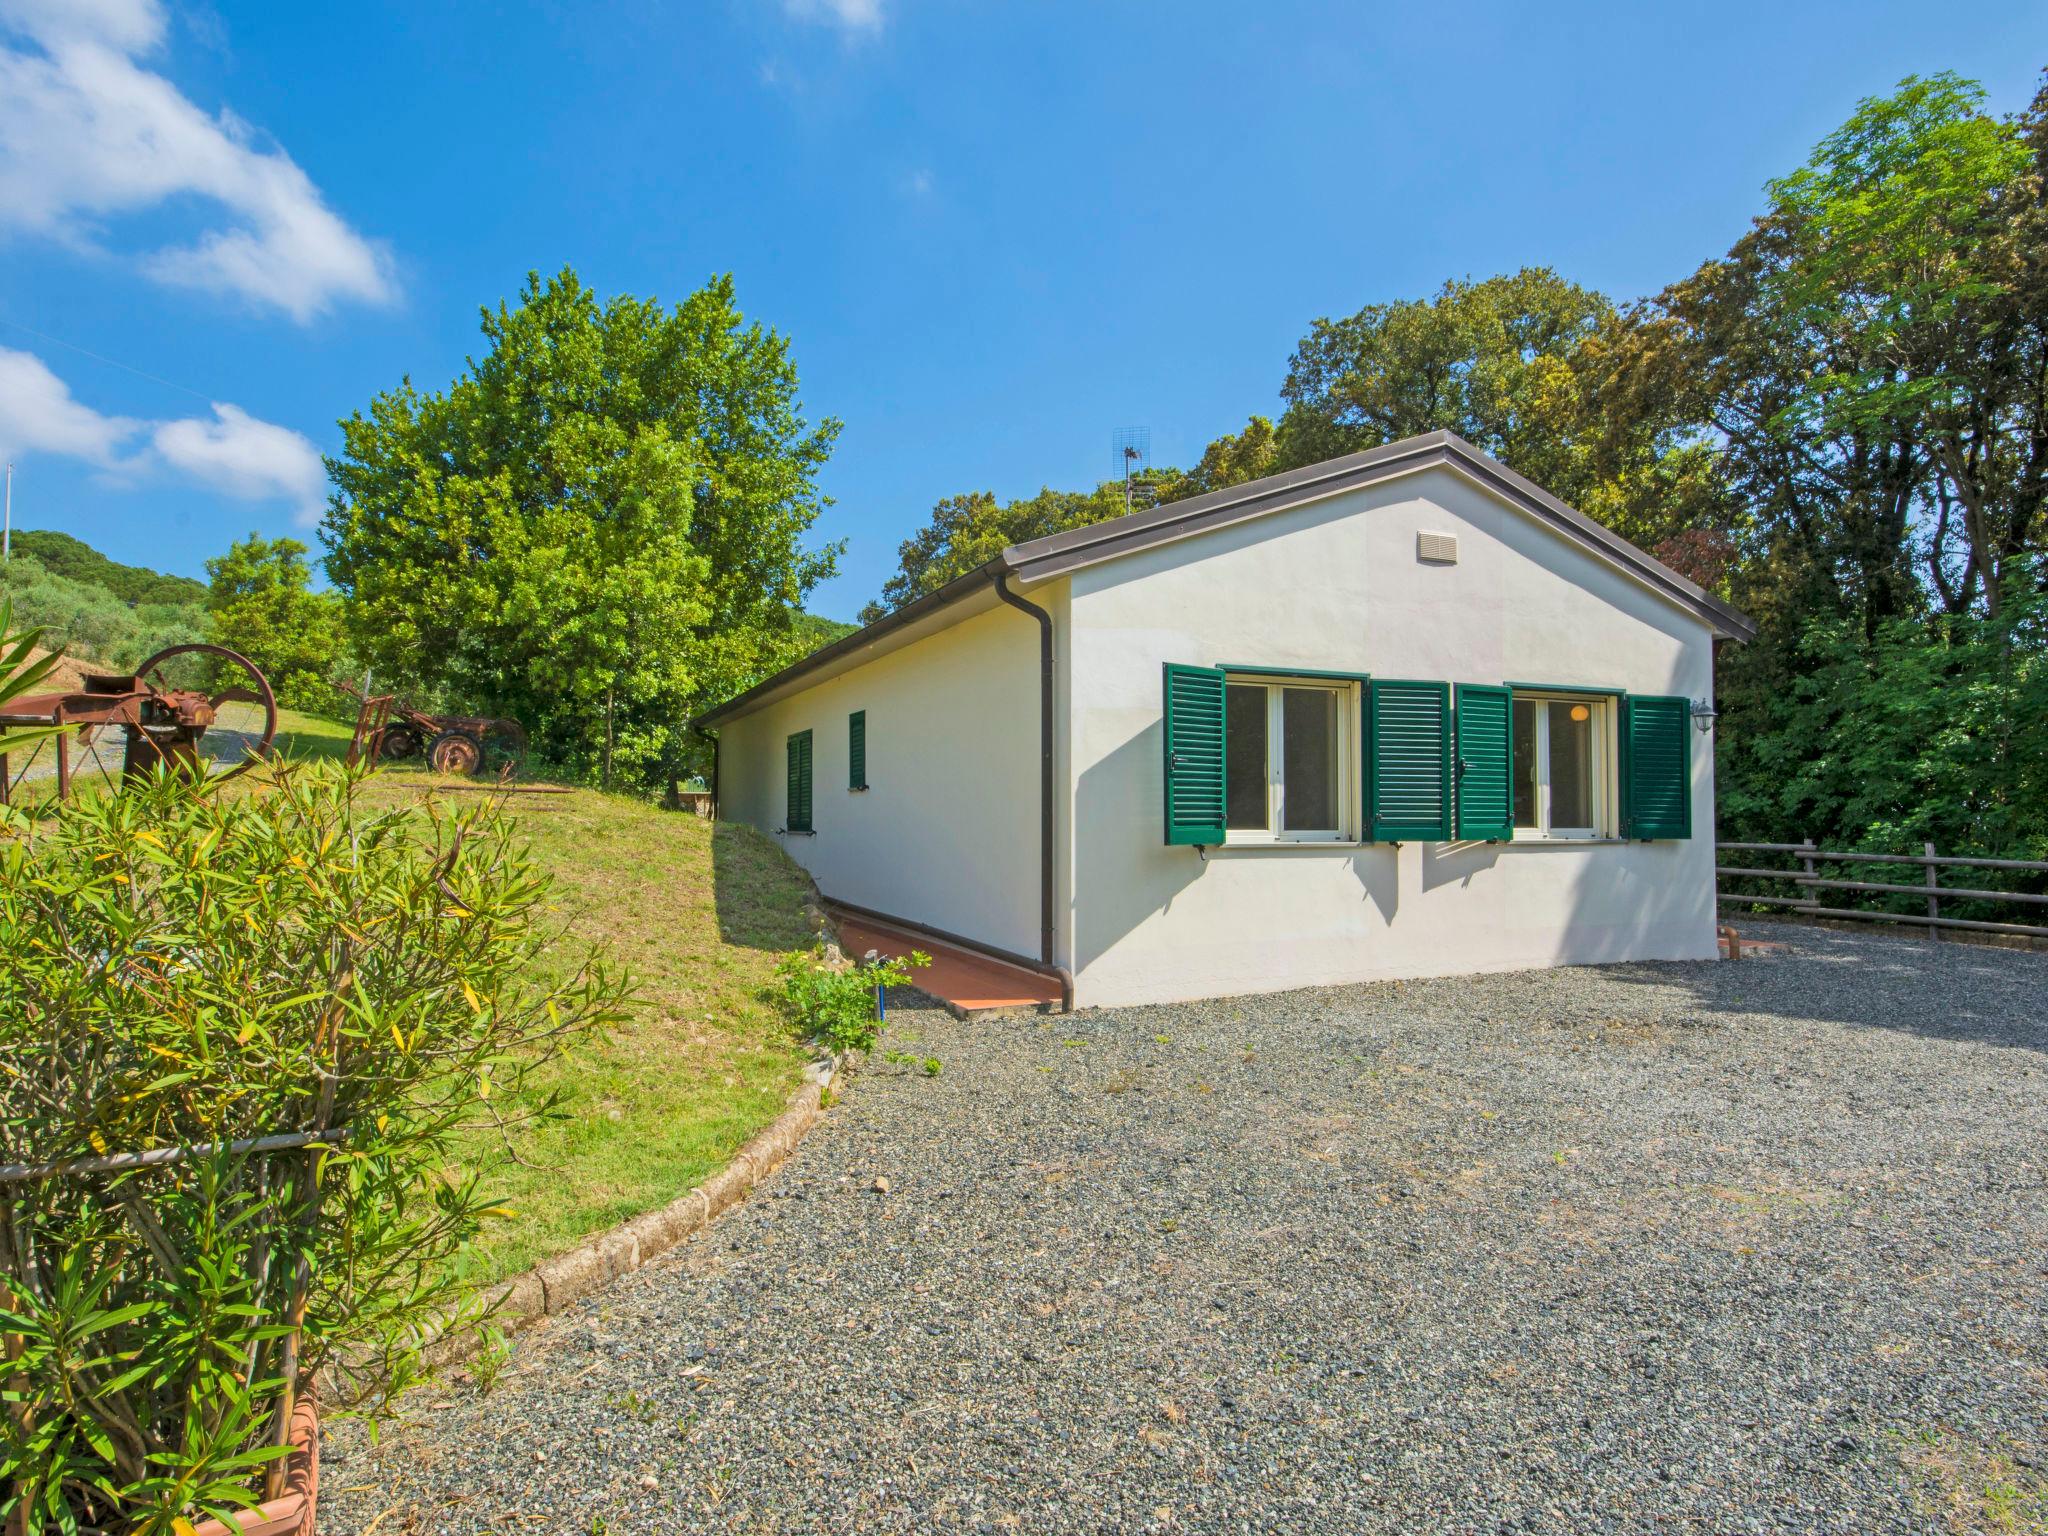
[196, 971]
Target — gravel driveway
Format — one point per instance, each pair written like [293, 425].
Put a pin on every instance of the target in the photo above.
[1698, 1247]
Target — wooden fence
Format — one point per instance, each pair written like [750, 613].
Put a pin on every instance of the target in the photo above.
[1808, 879]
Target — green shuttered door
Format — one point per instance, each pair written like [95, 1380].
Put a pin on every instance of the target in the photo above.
[1408, 782]
[1656, 767]
[1194, 755]
[797, 814]
[1486, 810]
[857, 750]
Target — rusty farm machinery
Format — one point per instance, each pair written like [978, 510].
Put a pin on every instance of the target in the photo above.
[197, 707]
[390, 728]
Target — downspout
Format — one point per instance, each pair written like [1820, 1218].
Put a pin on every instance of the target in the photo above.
[1048, 790]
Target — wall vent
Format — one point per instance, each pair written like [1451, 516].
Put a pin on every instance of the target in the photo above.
[1442, 548]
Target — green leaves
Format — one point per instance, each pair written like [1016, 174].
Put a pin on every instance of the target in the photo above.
[261, 604]
[596, 529]
[837, 1005]
[20, 671]
[191, 970]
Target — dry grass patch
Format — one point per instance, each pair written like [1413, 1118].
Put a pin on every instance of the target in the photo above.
[1978, 1490]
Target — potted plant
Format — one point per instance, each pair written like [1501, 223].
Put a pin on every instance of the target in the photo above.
[239, 1035]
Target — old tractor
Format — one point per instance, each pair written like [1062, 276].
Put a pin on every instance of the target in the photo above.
[201, 708]
[391, 729]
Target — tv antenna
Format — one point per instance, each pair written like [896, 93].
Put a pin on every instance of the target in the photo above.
[1130, 452]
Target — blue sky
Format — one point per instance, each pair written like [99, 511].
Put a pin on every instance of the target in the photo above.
[996, 233]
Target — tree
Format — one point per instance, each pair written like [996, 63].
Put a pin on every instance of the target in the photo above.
[970, 530]
[967, 531]
[597, 528]
[1486, 360]
[260, 602]
[1915, 233]
[1231, 460]
[1523, 366]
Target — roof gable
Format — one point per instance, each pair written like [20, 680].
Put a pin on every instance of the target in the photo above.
[1061, 554]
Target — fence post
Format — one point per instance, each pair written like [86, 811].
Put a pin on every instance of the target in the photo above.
[1806, 866]
[1933, 884]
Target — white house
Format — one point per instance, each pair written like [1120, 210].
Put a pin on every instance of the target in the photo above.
[1399, 714]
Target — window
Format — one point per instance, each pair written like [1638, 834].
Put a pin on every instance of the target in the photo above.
[1562, 748]
[797, 807]
[1286, 761]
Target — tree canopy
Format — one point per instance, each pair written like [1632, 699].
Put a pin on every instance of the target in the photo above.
[1841, 424]
[597, 527]
[261, 603]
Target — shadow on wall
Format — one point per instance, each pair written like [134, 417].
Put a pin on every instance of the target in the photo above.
[757, 889]
[1120, 825]
[1117, 823]
[1456, 863]
[1960, 994]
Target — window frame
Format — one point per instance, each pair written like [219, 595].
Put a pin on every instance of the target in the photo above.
[1274, 833]
[1602, 773]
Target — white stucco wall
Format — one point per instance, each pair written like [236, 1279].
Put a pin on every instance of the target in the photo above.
[947, 832]
[1336, 585]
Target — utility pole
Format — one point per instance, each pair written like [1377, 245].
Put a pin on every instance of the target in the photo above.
[7, 527]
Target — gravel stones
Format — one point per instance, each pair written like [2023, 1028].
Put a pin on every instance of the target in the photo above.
[1699, 1247]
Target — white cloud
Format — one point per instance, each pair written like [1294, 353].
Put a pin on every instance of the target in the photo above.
[86, 134]
[245, 458]
[850, 15]
[133, 26]
[38, 415]
[230, 452]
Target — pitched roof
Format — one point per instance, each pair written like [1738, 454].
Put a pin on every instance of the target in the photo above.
[1060, 554]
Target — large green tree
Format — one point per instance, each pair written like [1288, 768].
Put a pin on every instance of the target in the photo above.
[1523, 366]
[1865, 366]
[1916, 234]
[597, 527]
[261, 603]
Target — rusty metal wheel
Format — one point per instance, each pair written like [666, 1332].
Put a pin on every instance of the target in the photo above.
[211, 709]
[455, 752]
[400, 742]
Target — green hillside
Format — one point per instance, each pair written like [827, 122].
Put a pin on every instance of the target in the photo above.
[74, 560]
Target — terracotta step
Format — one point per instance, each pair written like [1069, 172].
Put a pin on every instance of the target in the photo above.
[969, 980]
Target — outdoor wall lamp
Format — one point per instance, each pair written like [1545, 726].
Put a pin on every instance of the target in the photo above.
[1703, 713]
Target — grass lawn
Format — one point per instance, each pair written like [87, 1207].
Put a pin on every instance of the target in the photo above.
[699, 912]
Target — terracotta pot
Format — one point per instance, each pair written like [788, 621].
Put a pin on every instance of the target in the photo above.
[291, 1513]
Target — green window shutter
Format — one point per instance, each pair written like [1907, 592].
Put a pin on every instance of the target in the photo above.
[1656, 766]
[797, 813]
[1408, 784]
[857, 750]
[1486, 807]
[1194, 755]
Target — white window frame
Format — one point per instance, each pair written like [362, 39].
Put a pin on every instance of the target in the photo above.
[1272, 835]
[1600, 771]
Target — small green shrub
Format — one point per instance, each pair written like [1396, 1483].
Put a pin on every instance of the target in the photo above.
[838, 1006]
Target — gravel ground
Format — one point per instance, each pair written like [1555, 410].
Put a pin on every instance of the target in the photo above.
[1699, 1247]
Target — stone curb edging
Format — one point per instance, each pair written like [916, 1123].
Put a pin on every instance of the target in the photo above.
[554, 1285]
